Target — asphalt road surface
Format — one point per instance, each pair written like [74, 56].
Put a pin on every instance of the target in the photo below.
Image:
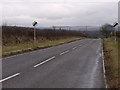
[73, 65]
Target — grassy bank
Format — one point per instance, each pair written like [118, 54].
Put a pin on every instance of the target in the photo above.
[12, 49]
[111, 62]
[18, 35]
[20, 39]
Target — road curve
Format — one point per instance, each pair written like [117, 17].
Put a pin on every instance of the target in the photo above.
[73, 65]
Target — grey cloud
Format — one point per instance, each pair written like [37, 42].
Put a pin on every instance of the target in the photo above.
[59, 0]
[48, 14]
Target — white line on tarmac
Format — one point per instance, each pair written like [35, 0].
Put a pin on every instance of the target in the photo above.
[44, 61]
[9, 77]
[64, 52]
[74, 48]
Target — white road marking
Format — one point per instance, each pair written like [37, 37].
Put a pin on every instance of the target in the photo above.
[64, 52]
[9, 77]
[44, 62]
[74, 48]
[97, 62]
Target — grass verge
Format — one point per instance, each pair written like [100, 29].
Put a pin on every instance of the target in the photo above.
[111, 62]
[13, 49]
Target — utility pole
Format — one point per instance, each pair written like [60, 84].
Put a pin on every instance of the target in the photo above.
[34, 24]
[60, 28]
[69, 28]
[54, 27]
[86, 28]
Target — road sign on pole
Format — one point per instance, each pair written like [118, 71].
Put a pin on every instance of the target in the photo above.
[34, 24]
[115, 37]
[115, 24]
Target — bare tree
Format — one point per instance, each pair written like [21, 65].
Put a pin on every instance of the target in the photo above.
[106, 30]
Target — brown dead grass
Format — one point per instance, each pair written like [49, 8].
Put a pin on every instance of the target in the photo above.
[111, 62]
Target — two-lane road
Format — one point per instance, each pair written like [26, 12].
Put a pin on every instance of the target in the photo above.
[73, 65]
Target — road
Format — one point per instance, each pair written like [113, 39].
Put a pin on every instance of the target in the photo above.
[73, 65]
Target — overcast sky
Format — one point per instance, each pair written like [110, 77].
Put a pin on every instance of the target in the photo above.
[59, 12]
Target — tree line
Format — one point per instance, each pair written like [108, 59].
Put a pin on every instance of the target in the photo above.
[23, 34]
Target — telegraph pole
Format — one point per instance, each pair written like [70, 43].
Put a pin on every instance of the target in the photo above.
[69, 28]
[86, 28]
[54, 27]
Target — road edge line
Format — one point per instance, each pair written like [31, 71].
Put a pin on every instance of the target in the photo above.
[104, 67]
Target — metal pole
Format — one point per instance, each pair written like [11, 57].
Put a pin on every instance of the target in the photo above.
[115, 37]
[115, 31]
[86, 28]
[34, 35]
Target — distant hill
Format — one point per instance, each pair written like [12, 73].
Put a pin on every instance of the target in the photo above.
[76, 28]
[89, 31]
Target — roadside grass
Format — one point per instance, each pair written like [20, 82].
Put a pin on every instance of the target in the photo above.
[0, 51]
[119, 61]
[111, 62]
[12, 49]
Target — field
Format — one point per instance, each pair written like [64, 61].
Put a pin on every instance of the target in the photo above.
[111, 62]
[20, 39]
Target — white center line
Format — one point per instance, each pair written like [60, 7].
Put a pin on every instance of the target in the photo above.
[9, 77]
[44, 62]
[74, 47]
[64, 52]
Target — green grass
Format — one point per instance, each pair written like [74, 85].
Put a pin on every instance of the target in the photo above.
[10, 48]
[111, 62]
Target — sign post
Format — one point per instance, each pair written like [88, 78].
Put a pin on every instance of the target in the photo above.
[34, 24]
[115, 31]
